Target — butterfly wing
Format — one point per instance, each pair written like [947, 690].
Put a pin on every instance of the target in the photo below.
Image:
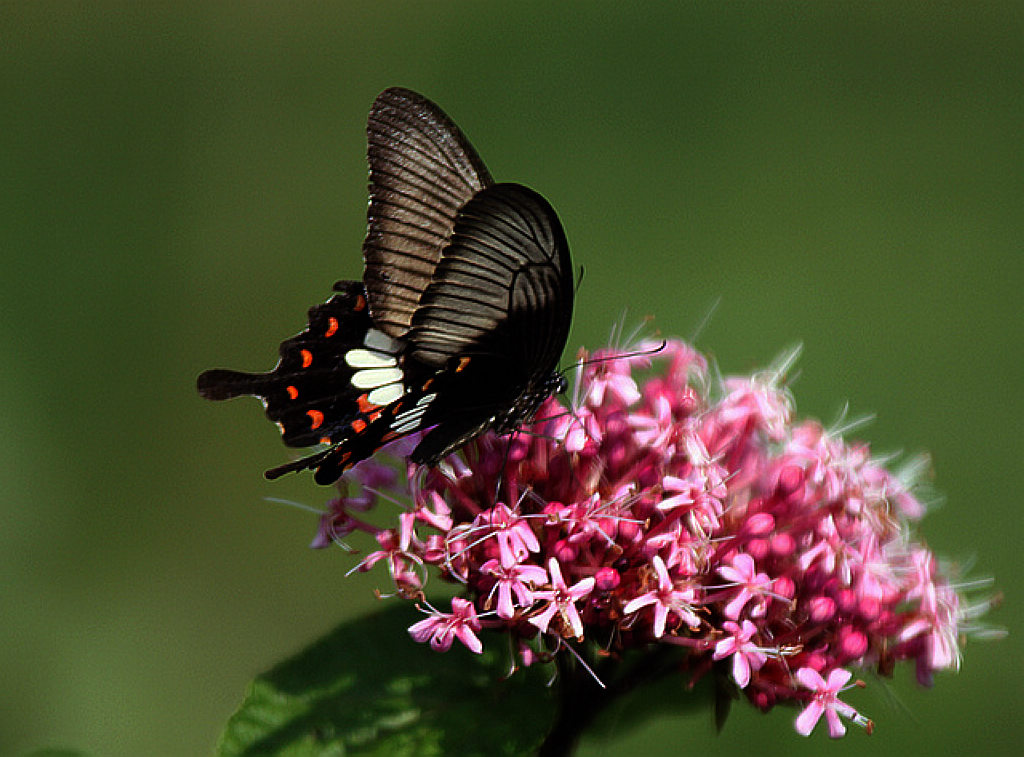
[423, 170]
[494, 320]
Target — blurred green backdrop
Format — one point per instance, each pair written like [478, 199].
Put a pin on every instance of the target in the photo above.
[181, 181]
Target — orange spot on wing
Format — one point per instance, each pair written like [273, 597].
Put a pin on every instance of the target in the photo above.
[430, 381]
[316, 417]
[325, 440]
[307, 358]
[332, 327]
[389, 436]
[359, 425]
[292, 392]
[374, 416]
[360, 304]
[365, 406]
[463, 362]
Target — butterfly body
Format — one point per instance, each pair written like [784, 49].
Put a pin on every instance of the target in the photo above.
[457, 326]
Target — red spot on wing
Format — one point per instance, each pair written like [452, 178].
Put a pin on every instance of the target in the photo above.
[307, 358]
[292, 392]
[365, 406]
[374, 416]
[389, 436]
[316, 417]
[332, 327]
[359, 425]
[360, 304]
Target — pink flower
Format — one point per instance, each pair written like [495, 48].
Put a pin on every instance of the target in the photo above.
[514, 579]
[610, 380]
[335, 524]
[562, 600]
[441, 628]
[667, 599]
[653, 428]
[746, 656]
[579, 431]
[438, 514]
[401, 555]
[666, 509]
[751, 585]
[516, 539]
[825, 700]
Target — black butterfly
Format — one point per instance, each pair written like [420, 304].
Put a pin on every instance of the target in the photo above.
[460, 319]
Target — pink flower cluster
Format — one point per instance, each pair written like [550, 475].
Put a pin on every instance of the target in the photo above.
[673, 510]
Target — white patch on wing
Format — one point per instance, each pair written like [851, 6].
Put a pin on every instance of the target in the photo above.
[409, 419]
[408, 425]
[413, 417]
[368, 359]
[385, 395]
[416, 412]
[371, 378]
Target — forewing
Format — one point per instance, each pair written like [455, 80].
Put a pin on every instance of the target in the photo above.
[422, 171]
[503, 287]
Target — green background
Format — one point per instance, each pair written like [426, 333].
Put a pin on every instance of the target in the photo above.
[181, 181]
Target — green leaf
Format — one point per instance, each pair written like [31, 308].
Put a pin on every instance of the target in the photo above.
[368, 689]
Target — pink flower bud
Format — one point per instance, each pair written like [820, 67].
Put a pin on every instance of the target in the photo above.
[607, 579]
[822, 609]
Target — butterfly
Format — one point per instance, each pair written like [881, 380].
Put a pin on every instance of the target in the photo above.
[457, 326]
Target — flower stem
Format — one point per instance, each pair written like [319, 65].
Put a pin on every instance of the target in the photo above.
[582, 698]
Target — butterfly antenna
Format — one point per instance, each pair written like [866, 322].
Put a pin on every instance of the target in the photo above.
[624, 356]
